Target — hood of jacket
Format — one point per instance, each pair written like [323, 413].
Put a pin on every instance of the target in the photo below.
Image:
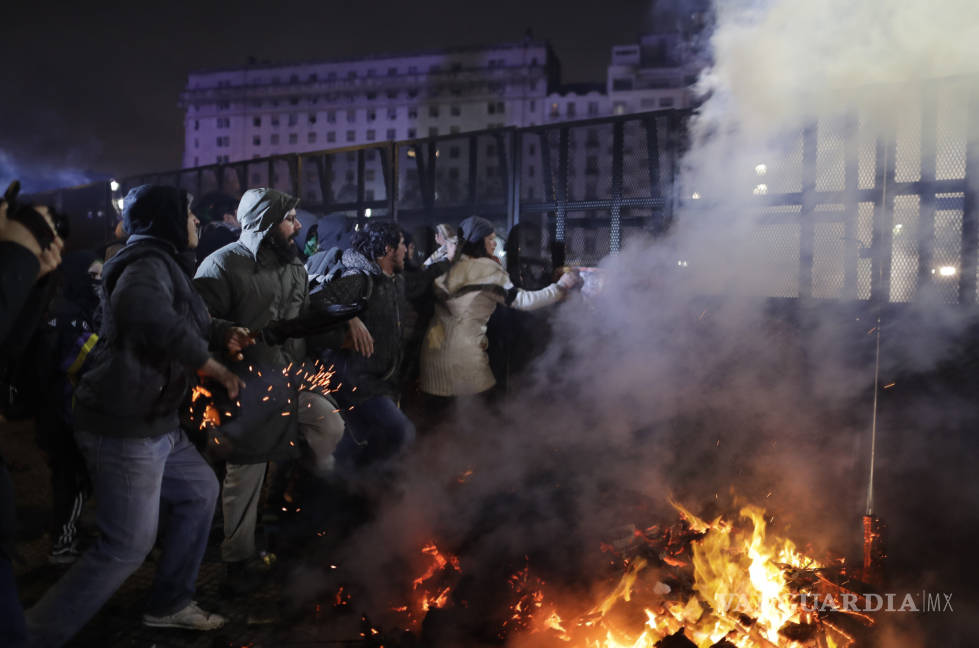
[258, 212]
[354, 260]
[157, 211]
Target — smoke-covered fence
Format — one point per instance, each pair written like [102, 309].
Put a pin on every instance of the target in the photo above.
[847, 212]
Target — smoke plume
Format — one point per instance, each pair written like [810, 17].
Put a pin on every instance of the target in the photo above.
[685, 377]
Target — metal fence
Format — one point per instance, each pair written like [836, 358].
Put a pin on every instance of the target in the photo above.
[865, 217]
[577, 189]
[883, 216]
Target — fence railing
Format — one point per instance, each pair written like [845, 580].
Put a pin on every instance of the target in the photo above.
[856, 216]
[579, 188]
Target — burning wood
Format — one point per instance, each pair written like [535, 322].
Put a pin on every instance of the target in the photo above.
[712, 584]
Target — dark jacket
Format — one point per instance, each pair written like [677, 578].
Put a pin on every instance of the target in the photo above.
[18, 270]
[380, 374]
[154, 331]
[246, 284]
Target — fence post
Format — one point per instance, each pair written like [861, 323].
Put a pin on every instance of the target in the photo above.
[926, 205]
[615, 220]
[807, 226]
[513, 173]
[970, 226]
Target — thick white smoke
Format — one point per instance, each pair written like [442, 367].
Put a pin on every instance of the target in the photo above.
[684, 377]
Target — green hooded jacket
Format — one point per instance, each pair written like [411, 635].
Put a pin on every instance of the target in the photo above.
[246, 284]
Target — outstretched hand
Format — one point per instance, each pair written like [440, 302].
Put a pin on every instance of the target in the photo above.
[217, 371]
[570, 280]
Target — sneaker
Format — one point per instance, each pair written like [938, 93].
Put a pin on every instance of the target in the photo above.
[64, 554]
[191, 617]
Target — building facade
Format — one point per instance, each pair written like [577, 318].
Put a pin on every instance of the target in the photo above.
[265, 109]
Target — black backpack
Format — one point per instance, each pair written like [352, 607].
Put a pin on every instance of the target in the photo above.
[326, 266]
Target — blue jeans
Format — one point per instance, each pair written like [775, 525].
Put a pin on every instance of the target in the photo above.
[376, 430]
[132, 478]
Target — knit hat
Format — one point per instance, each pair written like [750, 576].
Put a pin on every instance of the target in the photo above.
[475, 228]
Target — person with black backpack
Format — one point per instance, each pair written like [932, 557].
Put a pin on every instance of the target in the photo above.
[368, 353]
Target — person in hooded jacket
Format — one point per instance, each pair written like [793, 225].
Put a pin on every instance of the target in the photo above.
[368, 354]
[153, 338]
[454, 361]
[250, 283]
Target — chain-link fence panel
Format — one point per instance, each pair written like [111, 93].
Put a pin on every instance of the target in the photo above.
[410, 167]
[492, 156]
[947, 254]
[904, 248]
[829, 248]
[452, 181]
[865, 238]
[586, 237]
[590, 162]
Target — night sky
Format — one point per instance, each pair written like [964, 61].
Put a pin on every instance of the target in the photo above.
[91, 90]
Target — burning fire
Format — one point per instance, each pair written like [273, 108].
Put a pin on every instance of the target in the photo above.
[432, 588]
[710, 584]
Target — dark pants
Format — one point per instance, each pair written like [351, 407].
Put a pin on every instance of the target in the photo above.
[376, 429]
[13, 631]
[133, 479]
[69, 477]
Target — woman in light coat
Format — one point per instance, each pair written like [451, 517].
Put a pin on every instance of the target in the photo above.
[454, 361]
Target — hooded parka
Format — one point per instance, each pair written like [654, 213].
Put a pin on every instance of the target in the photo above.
[154, 328]
[246, 284]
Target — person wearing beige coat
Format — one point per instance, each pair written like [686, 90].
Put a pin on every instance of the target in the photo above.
[454, 359]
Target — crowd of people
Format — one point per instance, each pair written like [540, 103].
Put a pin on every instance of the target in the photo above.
[241, 309]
